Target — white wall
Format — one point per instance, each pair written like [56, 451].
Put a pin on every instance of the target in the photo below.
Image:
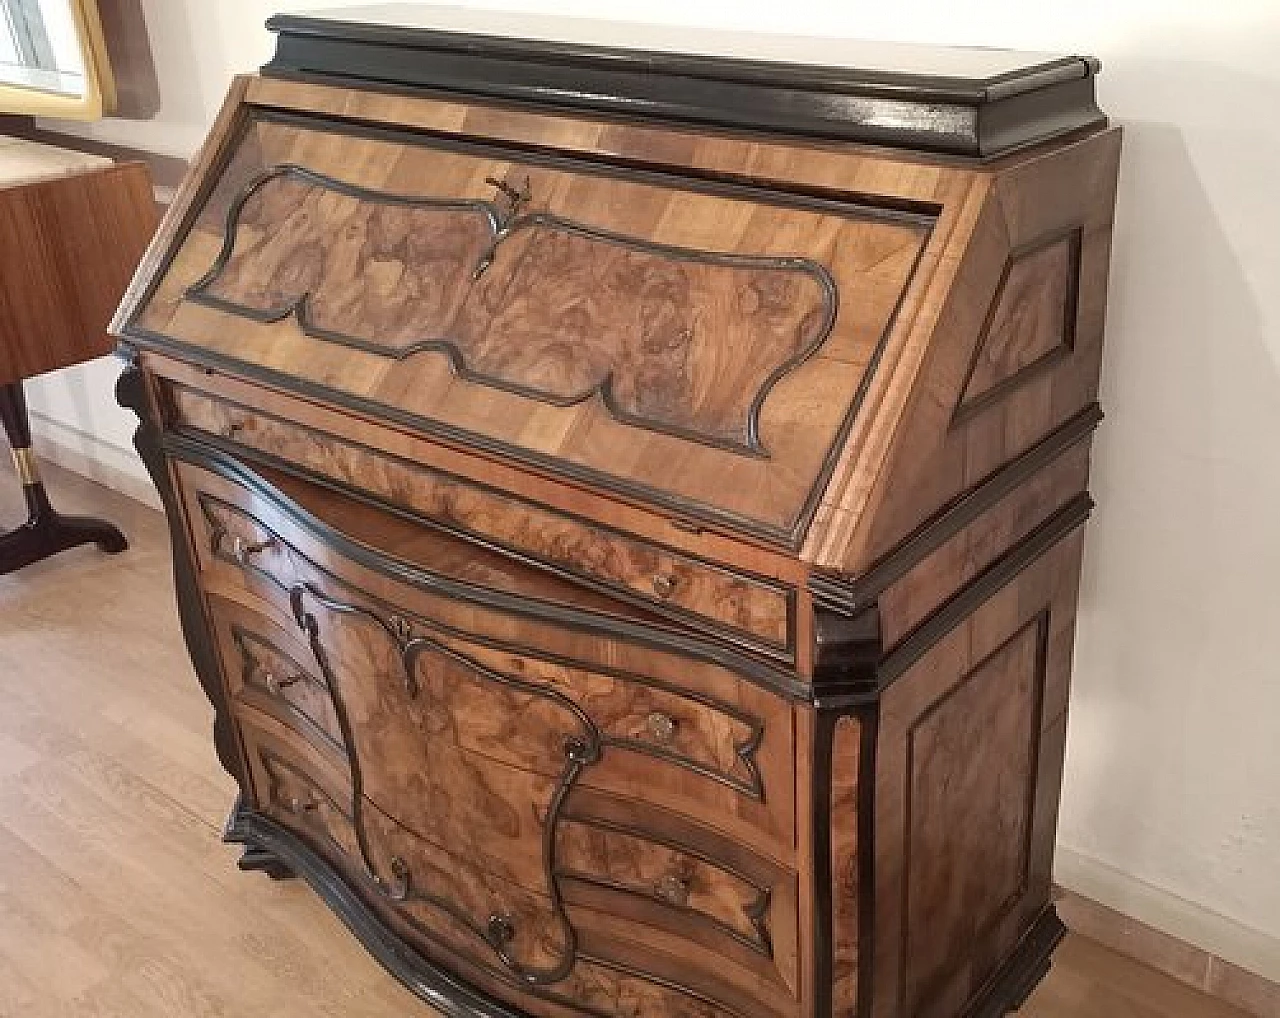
[1172, 801]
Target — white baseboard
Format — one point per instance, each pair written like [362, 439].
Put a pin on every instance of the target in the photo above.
[1219, 935]
[90, 456]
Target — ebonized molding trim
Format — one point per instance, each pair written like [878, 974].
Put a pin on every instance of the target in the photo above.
[959, 116]
[1010, 987]
[436, 986]
[847, 651]
[823, 961]
[848, 669]
[849, 597]
[869, 727]
[131, 393]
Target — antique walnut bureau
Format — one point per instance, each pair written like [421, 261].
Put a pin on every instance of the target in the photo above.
[627, 501]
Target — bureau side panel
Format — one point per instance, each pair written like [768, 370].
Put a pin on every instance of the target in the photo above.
[1014, 357]
[909, 602]
[968, 770]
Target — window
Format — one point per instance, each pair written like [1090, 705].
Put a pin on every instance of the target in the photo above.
[23, 38]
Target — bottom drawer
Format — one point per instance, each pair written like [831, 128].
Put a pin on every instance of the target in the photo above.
[514, 943]
[517, 932]
[412, 882]
[295, 786]
[619, 938]
[652, 877]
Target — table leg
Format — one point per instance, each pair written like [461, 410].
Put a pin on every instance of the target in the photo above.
[46, 532]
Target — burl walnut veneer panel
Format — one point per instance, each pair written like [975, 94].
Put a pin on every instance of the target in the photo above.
[633, 561]
[721, 335]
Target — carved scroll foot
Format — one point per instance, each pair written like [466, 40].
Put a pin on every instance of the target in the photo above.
[1021, 973]
[257, 859]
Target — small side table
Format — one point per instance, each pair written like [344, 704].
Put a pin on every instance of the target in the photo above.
[72, 228]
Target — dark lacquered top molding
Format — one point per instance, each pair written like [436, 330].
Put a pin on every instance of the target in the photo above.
[968, 102]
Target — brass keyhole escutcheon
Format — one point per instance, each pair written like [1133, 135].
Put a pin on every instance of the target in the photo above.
[397, 888]
[515, 199]
[401, 628]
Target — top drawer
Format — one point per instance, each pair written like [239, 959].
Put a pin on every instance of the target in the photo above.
[751, 609]
[688, 344]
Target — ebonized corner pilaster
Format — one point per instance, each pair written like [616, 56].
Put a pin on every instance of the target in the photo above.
[131, 393]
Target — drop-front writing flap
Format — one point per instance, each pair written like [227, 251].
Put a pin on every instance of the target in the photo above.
[695, 345]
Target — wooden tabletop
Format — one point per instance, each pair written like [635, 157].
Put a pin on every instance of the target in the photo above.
[72, 229]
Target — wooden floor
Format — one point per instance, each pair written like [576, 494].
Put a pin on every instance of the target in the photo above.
[117, 898]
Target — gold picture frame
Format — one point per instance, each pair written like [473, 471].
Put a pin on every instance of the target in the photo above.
[99, 94]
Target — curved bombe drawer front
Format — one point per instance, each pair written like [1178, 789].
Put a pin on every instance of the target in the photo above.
[235, 543]
[720, 905]
[681, 878]
[441, 687]
[458, 912]
[749, 608]
[298, 787]
[468, 722]
[517, 932]
[268, 668]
